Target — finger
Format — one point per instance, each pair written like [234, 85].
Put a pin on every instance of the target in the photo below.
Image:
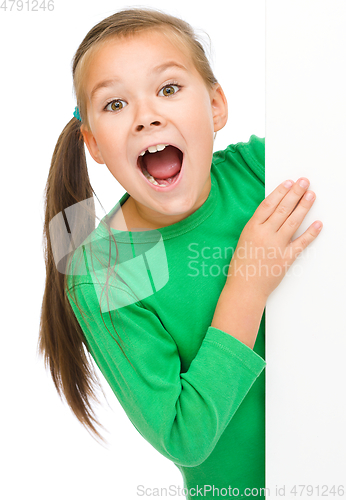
[269, 204]
[299, 244]
[292, 223]
[288, 204]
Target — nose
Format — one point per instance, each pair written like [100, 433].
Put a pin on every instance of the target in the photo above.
[140, 127]
[147, 117]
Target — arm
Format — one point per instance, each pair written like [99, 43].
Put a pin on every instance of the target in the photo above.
[181, 414]
[239, 311]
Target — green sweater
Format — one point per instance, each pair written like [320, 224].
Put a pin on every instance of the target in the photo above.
[193, 391]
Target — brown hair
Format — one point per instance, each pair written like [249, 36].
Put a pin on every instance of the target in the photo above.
[61, 339]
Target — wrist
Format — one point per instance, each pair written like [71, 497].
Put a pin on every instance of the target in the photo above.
[247, 289]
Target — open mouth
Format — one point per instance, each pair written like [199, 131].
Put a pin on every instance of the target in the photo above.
[161, 164]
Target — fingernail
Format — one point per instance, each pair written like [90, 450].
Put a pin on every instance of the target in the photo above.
[308, 195]
[288, 184]
[303, 183]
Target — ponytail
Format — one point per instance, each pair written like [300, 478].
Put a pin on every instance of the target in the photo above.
[61, 340]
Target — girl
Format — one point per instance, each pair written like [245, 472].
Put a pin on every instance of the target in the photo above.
[168, 292]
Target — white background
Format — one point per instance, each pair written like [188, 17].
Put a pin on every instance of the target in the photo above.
[48, 454]
[306, 326]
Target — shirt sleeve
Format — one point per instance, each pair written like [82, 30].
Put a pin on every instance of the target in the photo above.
[253, 152]
[182, 415]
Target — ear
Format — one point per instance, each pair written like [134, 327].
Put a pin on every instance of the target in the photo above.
[219, 107]
[91, 144]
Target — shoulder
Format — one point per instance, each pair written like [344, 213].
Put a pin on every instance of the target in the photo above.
[247, 155]
[105, 279]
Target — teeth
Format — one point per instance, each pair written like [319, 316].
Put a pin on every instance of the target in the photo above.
[154, 149]
[150, 178]
[159, 147]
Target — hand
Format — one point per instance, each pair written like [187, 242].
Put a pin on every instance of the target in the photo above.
[265, 249]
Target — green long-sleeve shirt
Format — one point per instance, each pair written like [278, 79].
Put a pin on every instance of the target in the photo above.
[193, 391]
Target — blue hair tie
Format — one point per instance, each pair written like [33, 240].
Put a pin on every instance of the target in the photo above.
[76, 114]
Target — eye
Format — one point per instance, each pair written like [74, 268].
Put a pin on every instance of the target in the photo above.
[115, 105]
[169, 89]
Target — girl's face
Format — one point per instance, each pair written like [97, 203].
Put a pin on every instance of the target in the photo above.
[160, 99]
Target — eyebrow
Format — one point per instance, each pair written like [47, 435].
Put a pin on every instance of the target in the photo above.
[157, 69]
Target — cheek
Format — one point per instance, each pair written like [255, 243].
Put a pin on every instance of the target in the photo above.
[199, 114]
[106, 140]
[113, 135]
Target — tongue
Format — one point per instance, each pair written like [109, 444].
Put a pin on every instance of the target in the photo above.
[163, 164]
